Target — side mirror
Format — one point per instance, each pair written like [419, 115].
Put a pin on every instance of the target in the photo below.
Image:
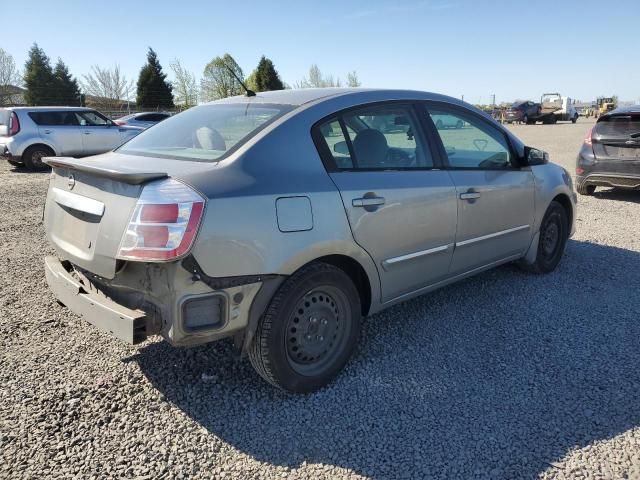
[341, 148]
[533, 156]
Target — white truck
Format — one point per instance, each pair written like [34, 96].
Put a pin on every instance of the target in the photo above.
[555, 107]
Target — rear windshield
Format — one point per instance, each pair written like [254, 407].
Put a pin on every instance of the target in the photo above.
[206, 133]
[619, 125]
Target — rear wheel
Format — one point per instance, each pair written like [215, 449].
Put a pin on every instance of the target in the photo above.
[32, 157]
[554, 232]
[586, 189]
[525, 119]
[574, 119]
[309, 330]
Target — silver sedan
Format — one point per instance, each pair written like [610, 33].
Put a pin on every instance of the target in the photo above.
[282, 219]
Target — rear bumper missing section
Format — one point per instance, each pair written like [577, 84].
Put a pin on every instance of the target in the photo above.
[126, 324]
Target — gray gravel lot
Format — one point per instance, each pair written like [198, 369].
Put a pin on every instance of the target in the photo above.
[506, 375]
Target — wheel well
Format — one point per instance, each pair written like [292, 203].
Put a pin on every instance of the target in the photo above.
[563, 200]
[355, 271]
[40, 145]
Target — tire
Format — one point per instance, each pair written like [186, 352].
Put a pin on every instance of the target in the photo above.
[584, 189]
[554, 233]
[439, 125]
[459, 124]
[574, 119]
[292, 348]
[32, 157]
[525, 119]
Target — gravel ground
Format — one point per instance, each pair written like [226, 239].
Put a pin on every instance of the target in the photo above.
[506, 375]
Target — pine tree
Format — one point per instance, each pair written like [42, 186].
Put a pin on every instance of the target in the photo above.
[67, 91]
[265, 76]
[39, 81]
[154, 91]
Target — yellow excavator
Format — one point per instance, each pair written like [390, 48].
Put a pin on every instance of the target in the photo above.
[605, 104]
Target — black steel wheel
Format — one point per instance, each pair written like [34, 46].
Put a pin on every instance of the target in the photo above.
[309, 330]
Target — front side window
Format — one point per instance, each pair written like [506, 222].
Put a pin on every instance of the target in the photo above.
[383, 137]
[475, 144]
[206, 133]
[92, 119]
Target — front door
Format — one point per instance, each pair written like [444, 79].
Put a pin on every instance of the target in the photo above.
[99, 134]
[495, 196]
[401, 208]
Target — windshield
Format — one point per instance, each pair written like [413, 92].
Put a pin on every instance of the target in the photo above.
[206, 133]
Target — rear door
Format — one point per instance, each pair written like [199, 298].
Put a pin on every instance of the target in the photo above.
[400, 205]
[99, 134]
[60, 129]
[495, 197]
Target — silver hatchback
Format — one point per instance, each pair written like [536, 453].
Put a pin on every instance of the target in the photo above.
[27, 134]
[282, 219]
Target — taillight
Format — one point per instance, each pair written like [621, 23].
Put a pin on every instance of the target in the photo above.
[164, 223]
[14, 124]
[588, 139]
[119, 122]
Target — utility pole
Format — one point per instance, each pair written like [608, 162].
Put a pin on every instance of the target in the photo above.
[493, 100]
[463, 97]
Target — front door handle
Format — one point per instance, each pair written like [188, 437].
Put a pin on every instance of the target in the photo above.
[469, 196]
[47, 131]
[87, 132]
[367, 202]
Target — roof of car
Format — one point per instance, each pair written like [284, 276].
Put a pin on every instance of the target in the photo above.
[623, 110]
[301, 96]
[51, 109]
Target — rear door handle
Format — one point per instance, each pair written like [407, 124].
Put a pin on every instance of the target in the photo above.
[469, 196]
[367, 202]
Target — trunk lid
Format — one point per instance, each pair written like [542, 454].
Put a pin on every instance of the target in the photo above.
[90, 202]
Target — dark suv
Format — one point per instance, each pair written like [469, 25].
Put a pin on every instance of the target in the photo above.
[610, 155]
[524, 111]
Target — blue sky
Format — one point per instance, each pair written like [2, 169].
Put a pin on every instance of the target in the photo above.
[513, 49]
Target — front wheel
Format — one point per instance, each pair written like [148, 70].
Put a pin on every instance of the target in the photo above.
[574, 119]
[309, 330]
[554, 233]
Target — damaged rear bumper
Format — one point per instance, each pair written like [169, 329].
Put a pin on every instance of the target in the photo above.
[124, 323]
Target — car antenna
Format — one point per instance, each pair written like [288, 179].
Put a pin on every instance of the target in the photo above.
[250, 93]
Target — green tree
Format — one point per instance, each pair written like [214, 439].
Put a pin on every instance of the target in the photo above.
[154, 91]
[67, 91]
[265, 77]
[353, 80]
[39, 80]
[218, 81]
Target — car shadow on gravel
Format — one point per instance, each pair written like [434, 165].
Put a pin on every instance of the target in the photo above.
[618, 194]
[498, 376]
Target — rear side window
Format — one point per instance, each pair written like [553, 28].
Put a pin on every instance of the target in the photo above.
[619, 125]
[53, 119]
[206, 133]
[5, 115]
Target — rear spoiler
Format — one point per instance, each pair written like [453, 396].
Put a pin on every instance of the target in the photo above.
[131, 177]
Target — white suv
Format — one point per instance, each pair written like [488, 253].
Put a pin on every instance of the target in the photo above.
[27, 134]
